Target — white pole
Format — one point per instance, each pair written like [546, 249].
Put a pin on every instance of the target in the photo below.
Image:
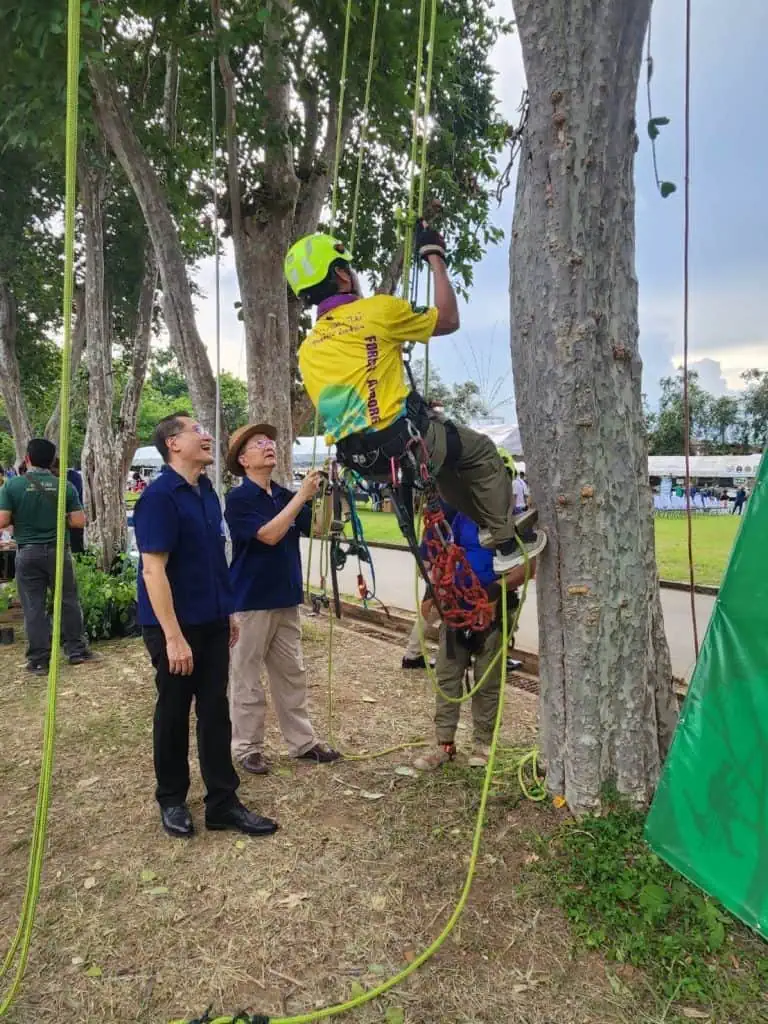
[217, 257]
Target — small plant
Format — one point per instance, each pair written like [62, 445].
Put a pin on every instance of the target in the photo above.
[108, 599]
[624, 900]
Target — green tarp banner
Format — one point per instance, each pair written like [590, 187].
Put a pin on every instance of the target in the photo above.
[709, 819]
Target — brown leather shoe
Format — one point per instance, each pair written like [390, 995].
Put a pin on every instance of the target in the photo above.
[321, 753]
[255, 764]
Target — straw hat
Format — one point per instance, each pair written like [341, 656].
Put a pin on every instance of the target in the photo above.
[240, 439]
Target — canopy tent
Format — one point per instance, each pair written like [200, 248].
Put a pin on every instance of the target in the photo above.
[709, 467]
[146, 458]
[303, 448]
[503, 435]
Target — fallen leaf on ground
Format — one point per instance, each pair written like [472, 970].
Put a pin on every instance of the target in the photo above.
[89, 882]
[379, 902]
[148, 876]
[693, 1014]
[78, 960]
[395, 1015]
[404, 770]
[356, 989]
[369, 700]
[94, 971]
[159, 890]
[85, 783]
[240, 844]
[367, 795]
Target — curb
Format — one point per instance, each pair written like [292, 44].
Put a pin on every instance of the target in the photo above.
[700, 588]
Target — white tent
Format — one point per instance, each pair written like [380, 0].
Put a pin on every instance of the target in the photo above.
[709, 467]
[503, 435]
[146, 458]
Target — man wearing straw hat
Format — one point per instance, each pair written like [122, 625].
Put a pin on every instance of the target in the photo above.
[265, 522]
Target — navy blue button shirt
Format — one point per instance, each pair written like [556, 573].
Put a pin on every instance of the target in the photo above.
[264, 576]
[171, 516]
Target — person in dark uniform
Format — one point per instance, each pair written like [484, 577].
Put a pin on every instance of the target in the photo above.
[185, 604]
[29, 503]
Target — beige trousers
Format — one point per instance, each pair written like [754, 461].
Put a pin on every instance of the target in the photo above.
[271, 639]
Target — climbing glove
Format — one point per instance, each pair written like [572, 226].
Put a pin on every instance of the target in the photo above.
[429, 242]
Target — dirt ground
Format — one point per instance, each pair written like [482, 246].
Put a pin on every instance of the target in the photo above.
[363, 874]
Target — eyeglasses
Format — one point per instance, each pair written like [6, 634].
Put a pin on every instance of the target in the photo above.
[196, 428]
[262, 442]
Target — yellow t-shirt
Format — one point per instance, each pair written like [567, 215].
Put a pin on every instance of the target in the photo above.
[352, 363]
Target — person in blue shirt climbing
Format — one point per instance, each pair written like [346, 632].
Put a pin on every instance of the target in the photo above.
[460, 650]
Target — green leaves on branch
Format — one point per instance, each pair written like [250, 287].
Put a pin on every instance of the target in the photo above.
[666, 188]
[655, 124]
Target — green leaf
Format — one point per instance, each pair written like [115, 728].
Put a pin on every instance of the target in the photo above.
[356, 989]
[148, 876]
[94, 971]
[653, 898]
[159, 890]
[626, 889]
[667, 188]
[395, 1015]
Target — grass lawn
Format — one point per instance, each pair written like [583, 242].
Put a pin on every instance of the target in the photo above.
[713, 538]
[136, 927]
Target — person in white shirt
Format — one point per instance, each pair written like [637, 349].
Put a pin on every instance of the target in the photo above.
[521, 492]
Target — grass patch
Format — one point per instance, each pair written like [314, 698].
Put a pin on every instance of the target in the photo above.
[713, 538]
[624, 901]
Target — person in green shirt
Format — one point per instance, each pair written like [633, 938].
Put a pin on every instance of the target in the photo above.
[29, 504]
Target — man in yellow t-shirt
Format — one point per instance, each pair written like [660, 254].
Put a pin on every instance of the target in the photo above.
[353, 370]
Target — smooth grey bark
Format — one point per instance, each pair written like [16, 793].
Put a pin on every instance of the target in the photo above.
[178, 309]
[608, 709]
[78, 347]
[10, 377]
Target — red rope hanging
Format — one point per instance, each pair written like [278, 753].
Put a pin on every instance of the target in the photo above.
[461, 598]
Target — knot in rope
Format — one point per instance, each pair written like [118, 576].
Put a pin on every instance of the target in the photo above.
[459, 594]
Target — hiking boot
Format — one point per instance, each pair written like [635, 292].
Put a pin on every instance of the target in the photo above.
[511, 555]
[523, 522]
[37, 668]
[440, 755]
[481, 752]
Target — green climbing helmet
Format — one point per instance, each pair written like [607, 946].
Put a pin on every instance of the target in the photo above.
[309, 261]
[507, 459]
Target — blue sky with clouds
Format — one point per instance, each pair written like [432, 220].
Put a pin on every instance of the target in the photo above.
[729, 216]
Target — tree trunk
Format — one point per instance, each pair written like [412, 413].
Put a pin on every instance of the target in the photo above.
[178, 309]
[10, 378]
[607, 705]
[102, 464]
[78, 347]
[129, 407]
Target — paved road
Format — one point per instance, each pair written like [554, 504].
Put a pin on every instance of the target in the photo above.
[395, 586]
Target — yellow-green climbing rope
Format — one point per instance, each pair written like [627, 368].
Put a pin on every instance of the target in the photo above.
[18, 952]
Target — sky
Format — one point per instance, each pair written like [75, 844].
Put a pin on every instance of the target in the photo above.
[729, 218]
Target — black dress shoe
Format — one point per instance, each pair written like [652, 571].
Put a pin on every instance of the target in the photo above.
[240, 819]
[177, 821]
[37, 668]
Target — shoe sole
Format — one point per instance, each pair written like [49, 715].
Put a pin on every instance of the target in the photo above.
[178, 835]
[234, 828]
[531, 552]
[522, 522]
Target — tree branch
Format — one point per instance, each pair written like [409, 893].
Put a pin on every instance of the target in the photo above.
[10, 377]
[129, 406]
[233, 155]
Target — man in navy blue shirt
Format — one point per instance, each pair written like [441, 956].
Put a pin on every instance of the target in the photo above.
[265, 522]
[184, 607]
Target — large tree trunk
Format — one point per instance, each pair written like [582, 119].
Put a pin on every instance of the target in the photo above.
[178, 309]
[608, 708]
[129, 407]
[102, 464]
[290, 204]
[10, 378]
[78, 347]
